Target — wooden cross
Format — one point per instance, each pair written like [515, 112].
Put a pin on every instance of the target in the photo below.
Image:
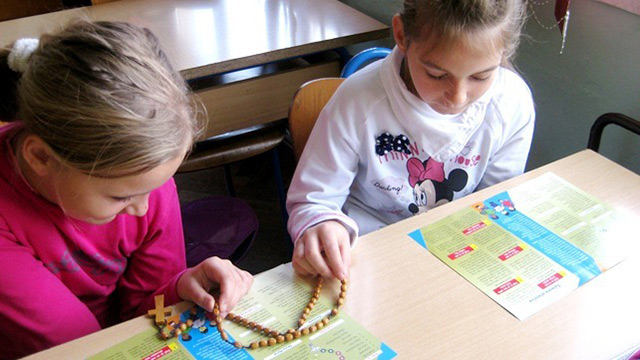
[160, 311]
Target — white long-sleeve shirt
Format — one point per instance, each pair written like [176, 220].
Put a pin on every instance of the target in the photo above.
[430, 158]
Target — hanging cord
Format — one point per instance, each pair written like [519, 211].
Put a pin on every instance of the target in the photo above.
[565, 18]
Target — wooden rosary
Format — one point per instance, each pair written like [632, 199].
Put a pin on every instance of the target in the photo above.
[274, 336]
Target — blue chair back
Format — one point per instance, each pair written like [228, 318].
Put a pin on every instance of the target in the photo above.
[361, 58]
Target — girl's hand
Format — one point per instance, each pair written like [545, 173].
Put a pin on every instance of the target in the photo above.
[195, 283]
[323, 249]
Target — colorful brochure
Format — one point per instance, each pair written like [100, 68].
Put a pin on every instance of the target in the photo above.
[276, 300]
[532, 245]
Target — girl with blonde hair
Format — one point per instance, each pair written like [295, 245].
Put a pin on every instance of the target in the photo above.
[90, 226]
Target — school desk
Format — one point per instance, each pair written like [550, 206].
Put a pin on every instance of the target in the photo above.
[422, 309]
[209, 41]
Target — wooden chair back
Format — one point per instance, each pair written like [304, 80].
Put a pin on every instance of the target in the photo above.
[14, 9]
[98, 2]
[305, 107]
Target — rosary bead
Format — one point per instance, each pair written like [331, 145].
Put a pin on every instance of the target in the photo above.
[274, 336]
[177, 332]
[183, 326]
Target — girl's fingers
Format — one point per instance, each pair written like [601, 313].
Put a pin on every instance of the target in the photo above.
[313, 254]
[345, 251]
[202, 298]
[300, 263]
[334, 257]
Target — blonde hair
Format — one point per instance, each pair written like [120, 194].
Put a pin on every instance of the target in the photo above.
[451, 21]
[105, 98]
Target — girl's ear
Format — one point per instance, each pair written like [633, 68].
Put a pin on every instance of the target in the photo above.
[399, 34]
[38, 155]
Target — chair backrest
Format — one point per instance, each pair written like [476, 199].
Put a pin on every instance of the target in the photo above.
[14, 9]
[312, 96]
[361, 58]
[598, 126]
[305, 107]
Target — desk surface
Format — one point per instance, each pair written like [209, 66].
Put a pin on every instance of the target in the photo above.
[204, 37]
[424, 310]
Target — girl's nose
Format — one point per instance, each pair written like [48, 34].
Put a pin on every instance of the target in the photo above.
[457, 95]
[139, 206]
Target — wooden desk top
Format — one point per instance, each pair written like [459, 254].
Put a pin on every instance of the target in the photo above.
[424, 310]
[204, 37]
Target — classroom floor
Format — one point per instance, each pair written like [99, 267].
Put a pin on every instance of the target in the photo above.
[253, 182]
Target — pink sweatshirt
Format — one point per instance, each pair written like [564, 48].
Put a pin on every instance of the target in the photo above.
[62, 278]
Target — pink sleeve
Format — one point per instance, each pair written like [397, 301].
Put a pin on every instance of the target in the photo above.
[38, 311]
[157, 264]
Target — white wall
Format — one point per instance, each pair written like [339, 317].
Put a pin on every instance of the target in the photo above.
[598, 72]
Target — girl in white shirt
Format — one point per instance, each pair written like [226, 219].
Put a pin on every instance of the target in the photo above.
[440, 117]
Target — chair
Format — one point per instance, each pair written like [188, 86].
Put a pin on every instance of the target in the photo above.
[307, 103]
[200, 219]
[312, 96]
[221, 150]
[362, 58]
[602, 121]
[14, 9]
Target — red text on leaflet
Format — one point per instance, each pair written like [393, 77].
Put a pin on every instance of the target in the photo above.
[550, 280]
[506, 286]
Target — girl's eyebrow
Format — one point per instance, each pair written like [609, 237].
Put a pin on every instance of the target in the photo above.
[430, 64]
[133, 195]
